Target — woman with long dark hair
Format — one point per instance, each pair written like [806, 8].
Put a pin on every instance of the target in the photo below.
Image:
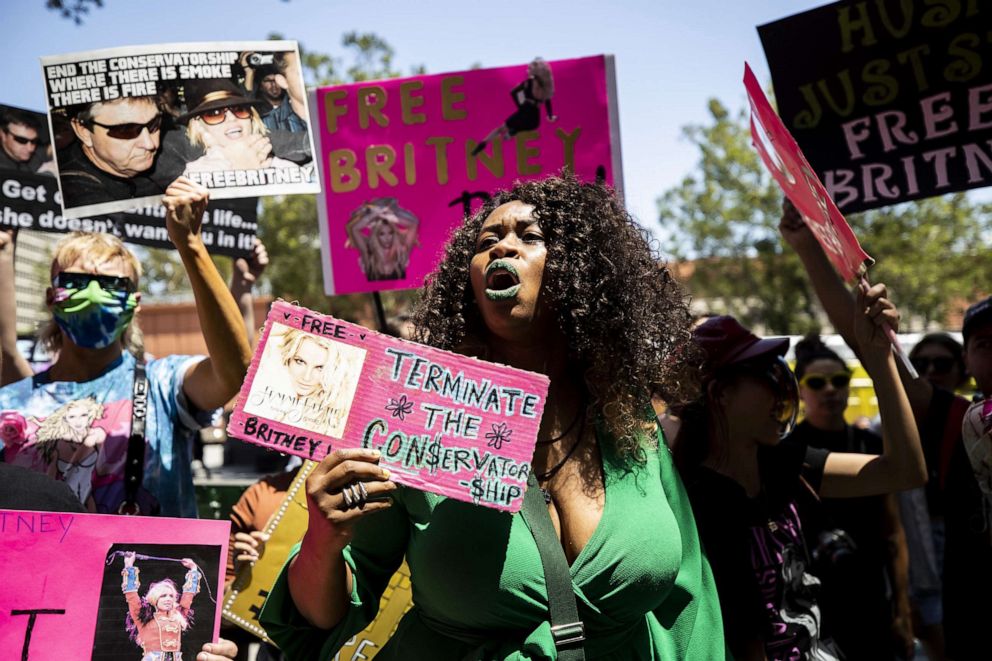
[551, 276]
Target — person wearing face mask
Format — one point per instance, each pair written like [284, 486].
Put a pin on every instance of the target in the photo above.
[858, 544]
[746, 486]
[148, 412]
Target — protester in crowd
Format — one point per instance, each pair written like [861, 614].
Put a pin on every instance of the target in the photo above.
[20, 139]
[954, 492]
[249, 517]
[274, 79]
[551, 276]
[857, 544]
[384, 234]
[114, 152]
[746, 487]
[940, 359]
[245, 274]
[226, 125]
[528, 96]
[94, 295]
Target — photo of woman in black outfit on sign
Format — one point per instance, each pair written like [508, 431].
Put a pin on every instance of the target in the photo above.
[528, 95]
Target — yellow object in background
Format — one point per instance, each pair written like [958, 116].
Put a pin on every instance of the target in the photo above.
[243, 601]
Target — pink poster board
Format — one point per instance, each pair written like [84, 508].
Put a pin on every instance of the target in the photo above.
[788, 165]
[62, 592]
[399, 168]
[445, 423]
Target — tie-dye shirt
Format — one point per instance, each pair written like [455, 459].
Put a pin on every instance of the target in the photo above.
[77, 432]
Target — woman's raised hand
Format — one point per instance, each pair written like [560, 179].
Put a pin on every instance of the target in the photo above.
[129, 558]
[346, 486]
[873, 313]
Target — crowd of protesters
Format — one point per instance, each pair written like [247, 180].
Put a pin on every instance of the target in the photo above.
[727, 530]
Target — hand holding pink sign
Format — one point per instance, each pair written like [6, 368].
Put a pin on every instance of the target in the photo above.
[441, 422]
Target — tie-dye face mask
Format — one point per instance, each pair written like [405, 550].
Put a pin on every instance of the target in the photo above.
[93, 310]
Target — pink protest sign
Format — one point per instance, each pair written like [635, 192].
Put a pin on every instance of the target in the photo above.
[445, 423]
[82, 586]
[799, 182]
[404, 160]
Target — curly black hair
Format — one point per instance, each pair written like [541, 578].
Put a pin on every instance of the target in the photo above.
[624, 316]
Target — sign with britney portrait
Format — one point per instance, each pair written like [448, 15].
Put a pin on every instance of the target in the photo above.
[405, 160]
[101, 586]
[445, 423]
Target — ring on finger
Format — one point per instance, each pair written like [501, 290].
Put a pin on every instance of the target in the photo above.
[348, 499]
[364, 495]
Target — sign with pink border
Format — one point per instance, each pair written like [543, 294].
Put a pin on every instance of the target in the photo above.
[66, 594]
[404, 160]
[445, 423]
[787, 164]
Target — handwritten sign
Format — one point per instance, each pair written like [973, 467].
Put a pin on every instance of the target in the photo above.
[405, 160]
[287, 526]
[789, 167]
[892, 101]
[62, 578]
[444, 423]
[134, 118]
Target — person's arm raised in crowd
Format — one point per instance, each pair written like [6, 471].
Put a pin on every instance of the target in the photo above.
[838, 301]
[244, 276]
[901, 464]
[13, 366]
[213, 381]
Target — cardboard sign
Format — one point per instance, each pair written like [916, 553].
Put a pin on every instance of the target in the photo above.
[231, 116]
[30, 199]
[445, 423]
[783, 158]
[891, 101]
[63, 596]
[405, 160]
[244, 600]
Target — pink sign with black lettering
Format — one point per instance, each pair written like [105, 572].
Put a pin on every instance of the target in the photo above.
[100, 586]
[445, 423]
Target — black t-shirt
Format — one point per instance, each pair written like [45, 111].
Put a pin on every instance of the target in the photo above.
[758, 555]
[860, 625]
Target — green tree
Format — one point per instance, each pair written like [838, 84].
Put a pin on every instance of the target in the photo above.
[724, 216]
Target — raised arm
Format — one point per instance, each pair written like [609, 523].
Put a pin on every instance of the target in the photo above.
[191, 586]
[291, 80]
[214, 380]
[13, 366]
[130, 585]
[838, 301]
[244, 276]
[354, 228]
[901, 464]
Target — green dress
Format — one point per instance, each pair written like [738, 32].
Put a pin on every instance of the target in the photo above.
[643, 586]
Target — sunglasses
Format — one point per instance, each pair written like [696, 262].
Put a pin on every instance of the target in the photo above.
[110, 283]
[819, 381]
[218, 115]
[780, 377]
[20, 139]
[941, 364]
[131, 130]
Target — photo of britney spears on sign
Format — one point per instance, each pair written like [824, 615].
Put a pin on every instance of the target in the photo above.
[307, 381]
[231, 116]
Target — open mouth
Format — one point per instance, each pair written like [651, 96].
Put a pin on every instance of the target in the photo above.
[502, 280]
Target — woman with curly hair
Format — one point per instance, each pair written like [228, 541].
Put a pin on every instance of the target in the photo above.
[551, 276]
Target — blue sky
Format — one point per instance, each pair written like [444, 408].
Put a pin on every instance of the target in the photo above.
[671, 56]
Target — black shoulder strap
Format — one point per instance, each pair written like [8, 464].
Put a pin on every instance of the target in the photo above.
[566, 627]
[134, 466]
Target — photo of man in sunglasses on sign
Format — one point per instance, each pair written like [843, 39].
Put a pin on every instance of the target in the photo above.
[22, 143]
[115, 149]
